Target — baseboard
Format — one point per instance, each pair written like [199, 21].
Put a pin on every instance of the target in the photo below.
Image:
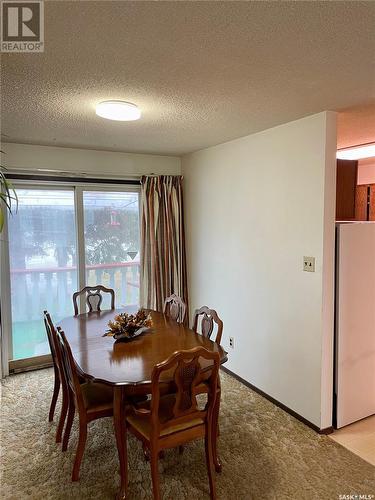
[28, 364]
[327, 430]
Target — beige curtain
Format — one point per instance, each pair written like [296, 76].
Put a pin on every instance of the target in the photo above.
[163, 259]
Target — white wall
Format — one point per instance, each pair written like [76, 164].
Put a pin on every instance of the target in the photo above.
[254, 207]
[30, 157]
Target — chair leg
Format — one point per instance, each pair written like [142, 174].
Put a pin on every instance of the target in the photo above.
[146, 453]
[69, 424]
[210, 461]
[80, 449]
[180, 449]
[64, 411]
[56, 390]
[155, 474]
[215, 433]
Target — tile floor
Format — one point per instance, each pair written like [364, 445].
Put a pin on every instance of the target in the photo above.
[358, 438]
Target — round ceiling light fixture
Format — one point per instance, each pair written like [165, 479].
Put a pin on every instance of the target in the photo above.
[121, 111]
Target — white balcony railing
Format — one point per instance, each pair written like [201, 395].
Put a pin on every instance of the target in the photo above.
[34, 290]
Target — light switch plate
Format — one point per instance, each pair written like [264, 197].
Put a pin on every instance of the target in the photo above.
[309, 264]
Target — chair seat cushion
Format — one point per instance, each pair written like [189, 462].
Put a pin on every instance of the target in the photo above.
[143, 423]
[97, 396]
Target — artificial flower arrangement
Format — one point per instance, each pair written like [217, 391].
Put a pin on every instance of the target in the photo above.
[127, 326]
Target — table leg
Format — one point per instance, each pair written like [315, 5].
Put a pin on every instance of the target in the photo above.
[120, 433]
[215, 429]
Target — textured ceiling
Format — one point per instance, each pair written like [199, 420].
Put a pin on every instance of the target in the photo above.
[356, 126]
[202, 72]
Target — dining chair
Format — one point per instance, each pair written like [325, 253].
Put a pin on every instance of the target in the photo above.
[59, 377]
[175, 308]
[92, 401]
[169, 421]
[207, 318]
[204, 322]
[56, 382]
[93, 297]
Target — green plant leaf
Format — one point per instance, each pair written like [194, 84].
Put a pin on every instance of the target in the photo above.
[8, 193]
[8, 196]
[5, 199]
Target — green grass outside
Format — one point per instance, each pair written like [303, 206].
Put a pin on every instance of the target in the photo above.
[29, 339]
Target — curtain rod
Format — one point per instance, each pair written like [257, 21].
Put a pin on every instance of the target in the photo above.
[162, 175]
[72, 179]
[82, 177]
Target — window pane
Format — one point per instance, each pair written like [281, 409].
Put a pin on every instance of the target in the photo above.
[111, 221]
[42, 248]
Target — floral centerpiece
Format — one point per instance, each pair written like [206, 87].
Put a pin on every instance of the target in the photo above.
[127, 326]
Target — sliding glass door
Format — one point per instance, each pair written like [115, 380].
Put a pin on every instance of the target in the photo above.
[60, 240]
[111, 235]
[43, 273]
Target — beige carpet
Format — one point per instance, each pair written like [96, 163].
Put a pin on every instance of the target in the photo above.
[266, 454]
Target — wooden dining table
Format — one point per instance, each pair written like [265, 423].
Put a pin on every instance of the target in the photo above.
[127, 366]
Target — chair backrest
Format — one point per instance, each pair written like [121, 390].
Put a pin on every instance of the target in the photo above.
[208, 318]
[175, 308]
[55, 348]
[93, 297]
[70, 369]
[190, 369]
[48, 324]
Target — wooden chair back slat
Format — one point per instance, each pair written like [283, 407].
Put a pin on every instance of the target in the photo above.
[175, 308]
[50, 336]
[93, 297]
[52, 339]
[70, 369]
[209, 318]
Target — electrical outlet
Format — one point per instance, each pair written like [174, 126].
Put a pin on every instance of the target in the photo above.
[231, 342]
[309, 264]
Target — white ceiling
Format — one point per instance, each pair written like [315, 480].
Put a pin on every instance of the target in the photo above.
[202, 72]
[356, 126]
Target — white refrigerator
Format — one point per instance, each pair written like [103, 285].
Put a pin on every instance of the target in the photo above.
[355, 322]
